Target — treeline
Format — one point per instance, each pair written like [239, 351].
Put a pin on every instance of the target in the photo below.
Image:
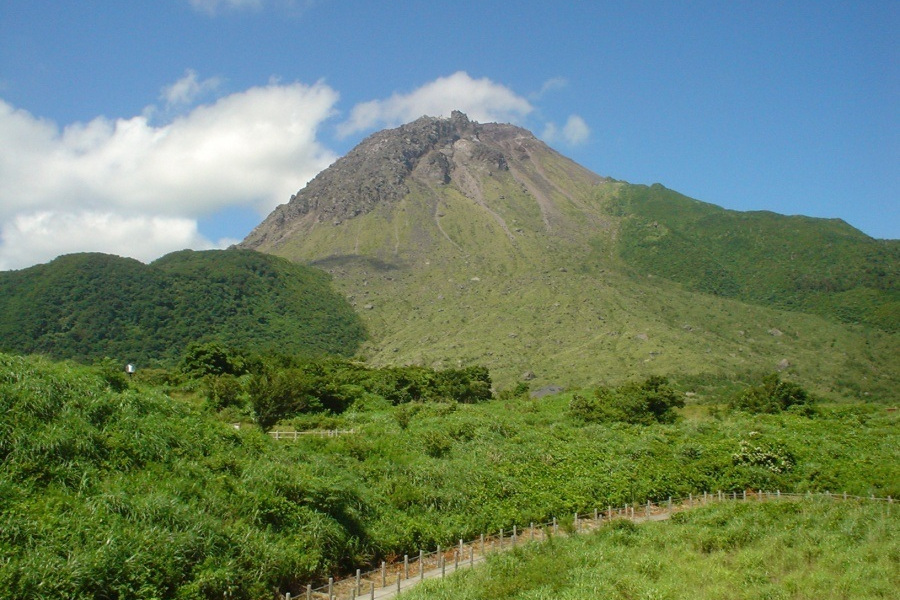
[89, 306]
[273, 388]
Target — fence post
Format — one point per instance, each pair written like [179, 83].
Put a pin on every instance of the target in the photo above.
[555, 526]
[308, 591]
[372, 596]
[460, 546]
[330, 588]
[456, 560]
[443, 566]
[669, 505]
[398, 582]
[514, 536]
[501, 539]
[406, 566]
[532, 530]
[744, 495]
[648, 509]
[596, 515]
[383, 574]
[472, 557]
[357, 582]
[421, 565]
[690, 500]
[482, 544]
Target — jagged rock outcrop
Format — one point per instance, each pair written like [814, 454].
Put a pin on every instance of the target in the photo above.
[433, 151]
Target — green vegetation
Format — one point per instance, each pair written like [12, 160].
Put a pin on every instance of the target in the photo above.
[813, 549]
[143, 489]
[818, 266]
[579, 293]
[653, 401]
[90, 306]
[773, 395]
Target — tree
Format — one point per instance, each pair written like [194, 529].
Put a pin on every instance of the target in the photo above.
[210, 358]
[772, 396]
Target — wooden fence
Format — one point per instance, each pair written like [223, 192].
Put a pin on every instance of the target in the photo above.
[293, 435]
[391, 578]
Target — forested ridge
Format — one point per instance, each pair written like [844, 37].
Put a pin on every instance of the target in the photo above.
[90, 306]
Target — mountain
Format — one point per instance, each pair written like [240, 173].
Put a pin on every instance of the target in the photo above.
[465, 243]
[89, 306]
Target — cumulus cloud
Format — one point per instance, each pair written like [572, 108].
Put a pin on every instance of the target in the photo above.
[252, 148]
[575, 132]
[481, 99]
[41, 236]
[188, 89]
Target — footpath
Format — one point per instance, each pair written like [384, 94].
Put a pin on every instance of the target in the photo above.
[392, 579]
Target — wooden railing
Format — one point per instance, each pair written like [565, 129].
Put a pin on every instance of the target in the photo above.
[391, 578]
[293, 435]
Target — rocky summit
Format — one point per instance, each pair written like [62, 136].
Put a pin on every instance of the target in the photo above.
[382, 169]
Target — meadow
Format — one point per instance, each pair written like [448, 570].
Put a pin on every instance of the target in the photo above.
[815, 549]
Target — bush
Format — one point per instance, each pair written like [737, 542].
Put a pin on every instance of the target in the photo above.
[652, 401]
[773, 396]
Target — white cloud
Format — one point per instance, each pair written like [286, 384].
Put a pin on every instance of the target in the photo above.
[481, 99]
[253, 148]
[556, 83]
[188, 89]
[574, 132]
[41, 236]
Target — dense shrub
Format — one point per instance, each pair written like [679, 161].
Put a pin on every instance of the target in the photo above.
[652, 401]
[773, 395]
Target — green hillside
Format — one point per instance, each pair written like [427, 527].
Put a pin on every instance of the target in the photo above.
[90, 306]
[797, 263]
[461, 244]
[439, 283]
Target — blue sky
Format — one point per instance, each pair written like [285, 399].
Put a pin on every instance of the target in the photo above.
[139, 128]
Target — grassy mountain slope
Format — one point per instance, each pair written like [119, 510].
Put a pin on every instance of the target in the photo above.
[798, 263]
[87, 306]
[532, 264]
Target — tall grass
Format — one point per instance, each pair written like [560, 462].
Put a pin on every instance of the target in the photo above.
[811, 549]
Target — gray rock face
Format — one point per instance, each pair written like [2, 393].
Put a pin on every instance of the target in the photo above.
[378, 170]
